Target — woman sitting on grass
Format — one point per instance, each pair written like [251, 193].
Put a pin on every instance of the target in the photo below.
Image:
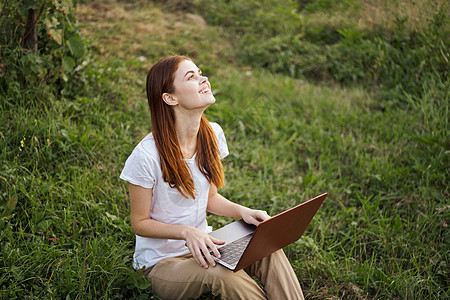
[173, 176]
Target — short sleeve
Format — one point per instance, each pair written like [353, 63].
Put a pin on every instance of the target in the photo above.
[223, 147]
[140, 169]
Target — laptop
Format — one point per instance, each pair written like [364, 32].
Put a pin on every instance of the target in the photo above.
[246, 244]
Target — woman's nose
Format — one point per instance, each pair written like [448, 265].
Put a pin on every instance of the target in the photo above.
[203, 79]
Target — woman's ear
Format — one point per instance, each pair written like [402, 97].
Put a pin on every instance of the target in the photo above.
[169, 99]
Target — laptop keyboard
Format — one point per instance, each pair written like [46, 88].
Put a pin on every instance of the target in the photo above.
[232, 252]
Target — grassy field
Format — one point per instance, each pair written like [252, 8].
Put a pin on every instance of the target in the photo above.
[381, 233]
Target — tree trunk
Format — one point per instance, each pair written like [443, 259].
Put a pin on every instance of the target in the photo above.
[31, 37]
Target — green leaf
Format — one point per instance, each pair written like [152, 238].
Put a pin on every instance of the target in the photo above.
[64, 5]
[12, 202]
[11, 205]
[75, 45]
[68, 63]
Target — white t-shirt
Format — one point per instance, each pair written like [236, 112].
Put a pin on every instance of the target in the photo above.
[143, 168]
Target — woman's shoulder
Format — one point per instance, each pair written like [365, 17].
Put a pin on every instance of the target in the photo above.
[142, 166]
[223, 148]
[216, 127]
[147, 147]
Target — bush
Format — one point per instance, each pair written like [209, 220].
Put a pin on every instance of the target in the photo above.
[294, 56]
[400, 63]
[56, 56]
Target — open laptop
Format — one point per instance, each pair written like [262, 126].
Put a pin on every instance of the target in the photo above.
[246, 244]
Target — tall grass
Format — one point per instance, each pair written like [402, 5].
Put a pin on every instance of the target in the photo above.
[381, 234]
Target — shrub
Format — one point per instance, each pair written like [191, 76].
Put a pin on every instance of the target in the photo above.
[400, 62]
[55, 57]
[286, 54]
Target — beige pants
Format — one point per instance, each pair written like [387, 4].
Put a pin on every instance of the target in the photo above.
[182, 278]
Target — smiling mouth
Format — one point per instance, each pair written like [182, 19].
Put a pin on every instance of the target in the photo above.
[206, 90]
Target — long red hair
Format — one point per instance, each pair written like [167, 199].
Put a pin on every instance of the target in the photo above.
[175, 171]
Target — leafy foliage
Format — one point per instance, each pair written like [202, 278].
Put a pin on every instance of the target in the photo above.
[61, 51]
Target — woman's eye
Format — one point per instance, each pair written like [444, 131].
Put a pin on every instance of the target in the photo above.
[190, 77]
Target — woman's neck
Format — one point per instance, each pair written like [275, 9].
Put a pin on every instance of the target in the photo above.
[187, 127]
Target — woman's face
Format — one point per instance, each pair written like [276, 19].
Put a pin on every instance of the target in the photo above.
[192, 89]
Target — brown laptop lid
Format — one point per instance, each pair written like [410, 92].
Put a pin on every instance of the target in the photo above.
[280, 231]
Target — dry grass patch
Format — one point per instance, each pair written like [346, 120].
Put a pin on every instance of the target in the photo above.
[147, 32]
[383, 13]
[372, 15]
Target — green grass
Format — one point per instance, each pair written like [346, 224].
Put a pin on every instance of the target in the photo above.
[65, 227]
[381, 227]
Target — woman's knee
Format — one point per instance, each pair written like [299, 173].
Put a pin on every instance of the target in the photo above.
[220, 273]
[234, 285]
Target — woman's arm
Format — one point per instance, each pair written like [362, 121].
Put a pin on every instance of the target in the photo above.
[219, 205]
[197, 241]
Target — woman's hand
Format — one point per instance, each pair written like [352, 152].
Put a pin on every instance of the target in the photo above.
[198, 243]
[253, 216]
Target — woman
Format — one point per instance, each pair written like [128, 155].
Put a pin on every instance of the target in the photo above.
[173, 176]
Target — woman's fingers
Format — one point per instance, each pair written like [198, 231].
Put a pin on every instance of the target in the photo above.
[263, 215]
[216, 241]
[255, 217]
[208, 256]
[199, 243]
[213, 246]
[199, 258]
[194, 247]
